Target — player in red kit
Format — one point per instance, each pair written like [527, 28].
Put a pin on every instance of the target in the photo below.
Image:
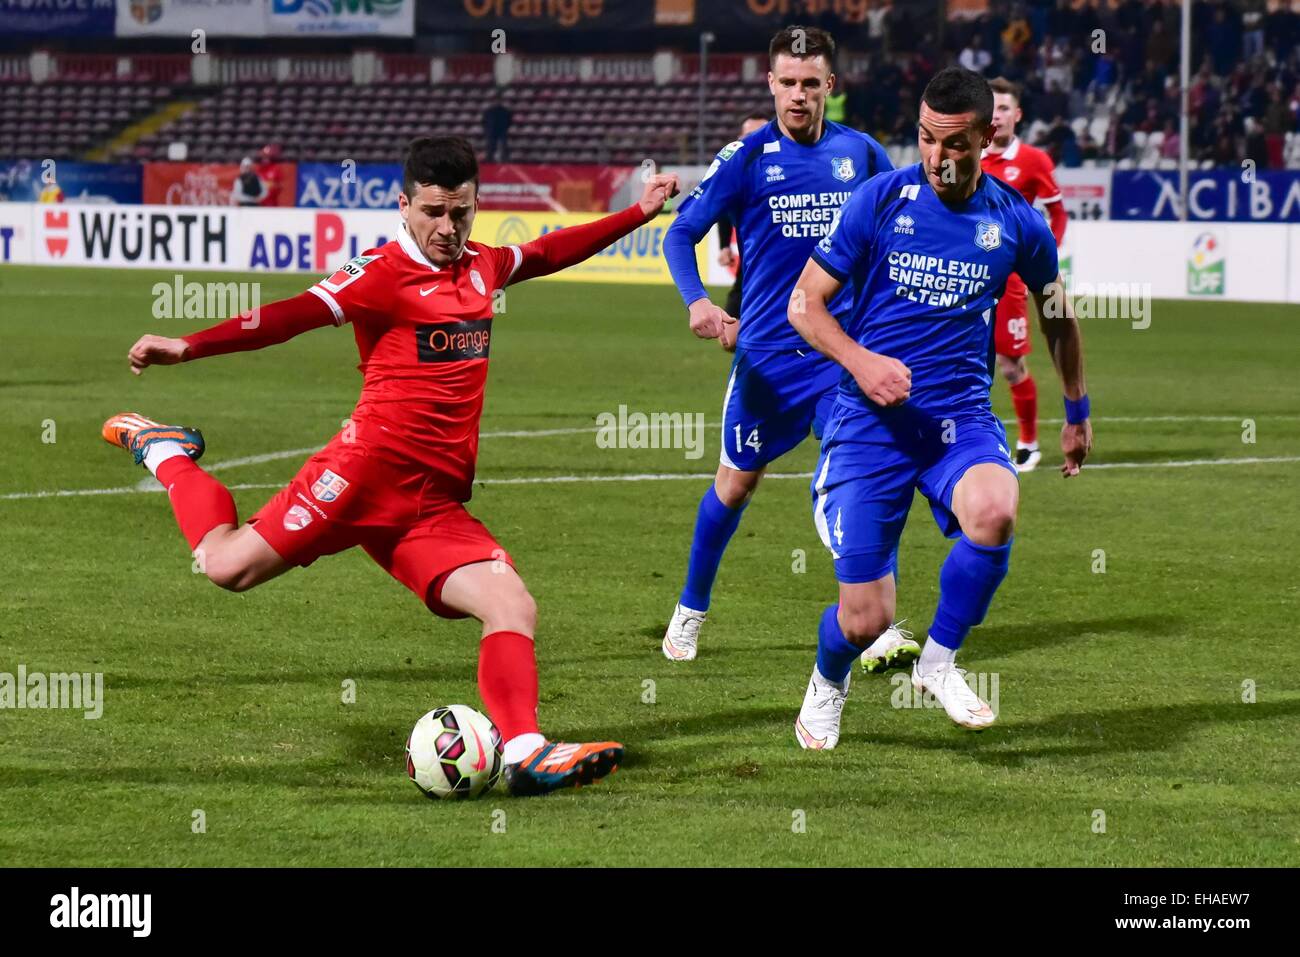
[1029, 170]
[394, 482]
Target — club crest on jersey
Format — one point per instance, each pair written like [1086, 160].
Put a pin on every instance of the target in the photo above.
[842, 167]
[296, 519]
[988, 236]
[904, 224]
[1011, 172]
[774, 173]
[477, 282]
[328, 487]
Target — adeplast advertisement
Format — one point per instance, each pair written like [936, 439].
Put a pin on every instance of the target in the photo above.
[289, 240]
[1227, 261]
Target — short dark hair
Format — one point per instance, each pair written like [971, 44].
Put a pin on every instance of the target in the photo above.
[446, 161]
[803, 42]
[756, 115]
[1001, 84]
[954, 90]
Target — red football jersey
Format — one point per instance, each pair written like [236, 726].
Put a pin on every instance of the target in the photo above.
[423, 333]
[1025, 167]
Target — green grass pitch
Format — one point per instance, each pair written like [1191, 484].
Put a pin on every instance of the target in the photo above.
[1119, 692]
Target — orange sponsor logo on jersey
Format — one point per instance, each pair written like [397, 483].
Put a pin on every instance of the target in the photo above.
[454, 341]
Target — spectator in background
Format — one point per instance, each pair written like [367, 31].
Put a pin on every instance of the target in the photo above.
[268, 171]
[1016, 37]
[837, 104]
[1225, 38]
[1277, 123]
[1162, 45]
[1256, 144]
[1252, 25]
[1088, 147]
[877, 24]
[496, 130]
[51, 191]
[1061, 144]
[974, 57]
[1172, 144]
[1058, 64]
[248, 190]
[1052, 105]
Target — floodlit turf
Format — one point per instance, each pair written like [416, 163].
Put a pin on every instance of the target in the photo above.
[1119, 693]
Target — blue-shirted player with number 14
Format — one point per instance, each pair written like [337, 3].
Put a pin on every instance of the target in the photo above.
[782, 186]
[928, 250]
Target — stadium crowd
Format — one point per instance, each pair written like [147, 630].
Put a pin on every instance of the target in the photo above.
[1100, 81]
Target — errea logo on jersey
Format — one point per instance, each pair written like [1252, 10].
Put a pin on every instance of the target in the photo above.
[774, 173]
[904, 224]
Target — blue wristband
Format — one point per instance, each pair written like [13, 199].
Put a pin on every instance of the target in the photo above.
[1077, 412]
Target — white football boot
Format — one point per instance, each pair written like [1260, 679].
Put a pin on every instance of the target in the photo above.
[895, 648]
[818, 726]
[683, 634]
[948, 685]
[1027, 457]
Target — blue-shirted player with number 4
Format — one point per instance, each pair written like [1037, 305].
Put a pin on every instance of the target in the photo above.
[928, 250]
[782, 187]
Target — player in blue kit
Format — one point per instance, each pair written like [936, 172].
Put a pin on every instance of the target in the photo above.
[782, 187]
[928, 250]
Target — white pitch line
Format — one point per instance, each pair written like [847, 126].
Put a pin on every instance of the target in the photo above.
[148, 483]
[648, 477]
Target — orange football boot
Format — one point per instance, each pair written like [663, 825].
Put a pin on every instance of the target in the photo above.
[558, 765]
[133, 432]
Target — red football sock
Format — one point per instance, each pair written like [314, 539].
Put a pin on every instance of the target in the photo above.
[1024, 396]
[507, 680]
[200, 502]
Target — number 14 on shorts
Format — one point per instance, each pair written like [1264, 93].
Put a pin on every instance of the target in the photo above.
[752, 441]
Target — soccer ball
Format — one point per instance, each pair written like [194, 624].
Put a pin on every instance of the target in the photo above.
[454, 752]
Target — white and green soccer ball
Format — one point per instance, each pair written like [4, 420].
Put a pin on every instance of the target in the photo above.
[454, 752]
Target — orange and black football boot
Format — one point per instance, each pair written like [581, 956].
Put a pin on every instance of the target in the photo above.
[558, 765]
[133, 432]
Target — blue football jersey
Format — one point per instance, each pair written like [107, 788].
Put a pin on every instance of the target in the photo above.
[927, 277]
[782, 197]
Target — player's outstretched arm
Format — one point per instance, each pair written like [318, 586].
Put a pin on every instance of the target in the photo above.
[267, 325]
[1065, 343]
[574, 244]
[883, 379]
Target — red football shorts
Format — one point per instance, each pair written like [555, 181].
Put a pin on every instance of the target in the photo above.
[1011, 333]
[356, 493]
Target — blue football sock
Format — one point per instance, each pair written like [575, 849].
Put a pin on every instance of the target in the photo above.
[714, 526]
[835, 654]
[970, 575]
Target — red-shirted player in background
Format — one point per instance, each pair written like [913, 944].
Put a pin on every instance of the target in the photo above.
[395, 481]
[1029, 170]
[268, 171]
